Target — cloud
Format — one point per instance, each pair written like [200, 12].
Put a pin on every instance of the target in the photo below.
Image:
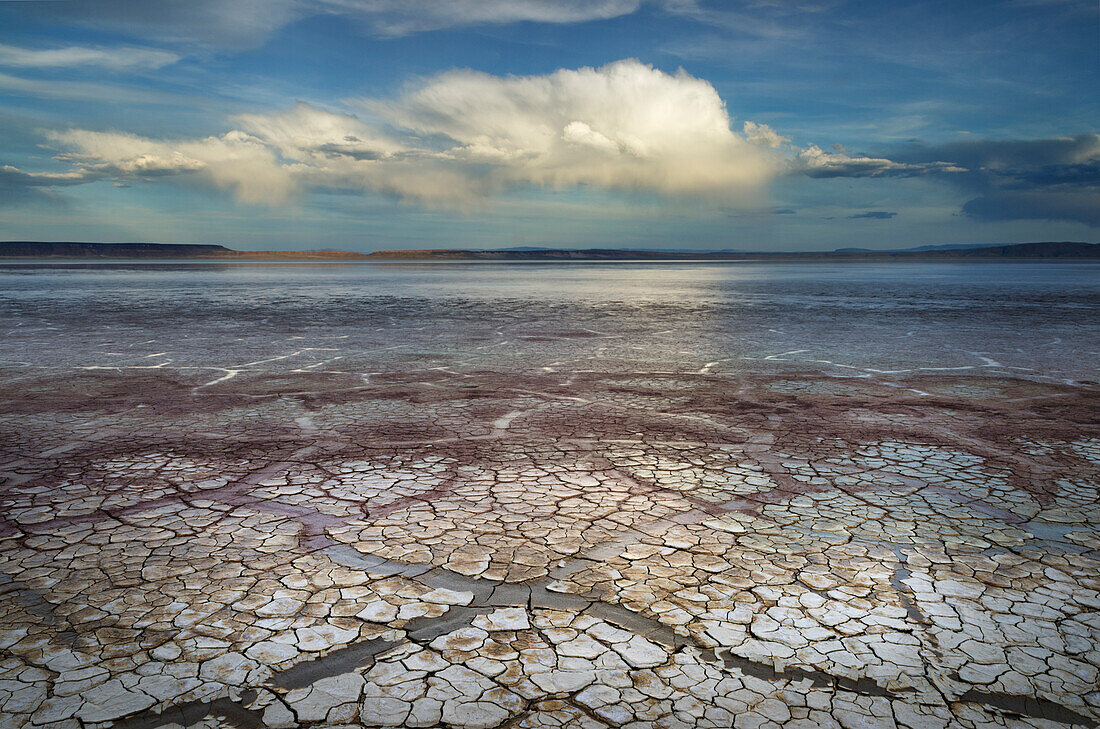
[83, 90]
[1082, 206]
[763, 136]
[334, 152]
[777, 21]
[243, 24]
[18, 187]
[462, 136]
[402, 17]
[1009, 155]
[1027, 179]
[625, 126]
[309, 134]
[235, 161]
[815, 162]
[115, 59]
[873, 215]
[1035, 179]
[239, 24]
[13, 176]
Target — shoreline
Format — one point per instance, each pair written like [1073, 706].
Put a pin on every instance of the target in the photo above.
[60, 261]
[36, 251]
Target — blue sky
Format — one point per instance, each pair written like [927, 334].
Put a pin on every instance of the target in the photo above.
[378, 124]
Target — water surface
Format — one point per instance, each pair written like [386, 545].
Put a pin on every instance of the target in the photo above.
[1036, 320]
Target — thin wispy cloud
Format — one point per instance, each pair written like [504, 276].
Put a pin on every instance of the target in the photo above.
[402, 17]
[815, 162]
[248, 23]
[91, 91]
[124, 57]
[238, 25]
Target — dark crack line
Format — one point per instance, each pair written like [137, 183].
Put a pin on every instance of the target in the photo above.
[193, 712]
[1035, 708]
[861, 686]
[342, 660]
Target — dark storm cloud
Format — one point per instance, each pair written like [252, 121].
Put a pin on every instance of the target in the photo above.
[21, 188]
[1006, 155]
[1031, 179]
[1034, 179]
[1082, 206]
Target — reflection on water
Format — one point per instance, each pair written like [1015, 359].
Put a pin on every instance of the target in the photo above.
[1030, 319]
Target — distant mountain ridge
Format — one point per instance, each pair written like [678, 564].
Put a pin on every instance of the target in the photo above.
[943, 247]
[1064, 250]
[35, 249]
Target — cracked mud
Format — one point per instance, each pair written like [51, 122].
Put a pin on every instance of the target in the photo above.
[588, 543]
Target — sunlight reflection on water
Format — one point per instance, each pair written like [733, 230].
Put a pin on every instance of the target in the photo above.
[1036, 319]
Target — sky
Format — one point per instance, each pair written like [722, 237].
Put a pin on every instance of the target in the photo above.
[667, 124]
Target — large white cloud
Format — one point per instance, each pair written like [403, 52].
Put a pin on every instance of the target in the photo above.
[462, 135]
[625, 125]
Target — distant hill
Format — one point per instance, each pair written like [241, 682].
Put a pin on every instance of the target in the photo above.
[1026, 250]
[127, 251]
[34, 249]
[1064, 250]
[944, 247]
[1045, 250]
